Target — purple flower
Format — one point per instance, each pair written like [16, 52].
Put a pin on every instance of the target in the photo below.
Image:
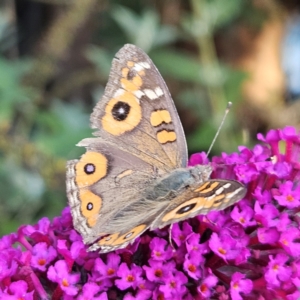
[198, 159]
[289, 240]
[277, 271]
[160, 250]
[224, 247]
[205, 288]
[193, 264]
[59, 273]
[109, 269]
[140, 295]
[174, 286]
[193, 244]
[243, 214]
[18, 290]
[129, 277]
[266, 215]
[240, 285]
[8, 264]
[42, 255]
[268, 235]
[90, 290]
[250, 250]
[287, 196]
[157, 271]
[180, 235]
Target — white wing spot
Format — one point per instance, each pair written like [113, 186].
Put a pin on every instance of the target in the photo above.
[150, 94]
[138, 94]
[138, 67]
[219, 191]
[158, 91]
[118, 93]
[227, 185]
[145, 64]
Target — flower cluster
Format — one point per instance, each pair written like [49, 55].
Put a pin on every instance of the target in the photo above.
[249, 251]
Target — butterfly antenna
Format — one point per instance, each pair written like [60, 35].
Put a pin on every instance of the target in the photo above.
[229, 104]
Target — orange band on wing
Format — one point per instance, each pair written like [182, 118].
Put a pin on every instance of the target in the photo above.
[203, 189]
[115, 239]
[160, 116]
[165, 136]
[90, 206]
[91, 167]
[132, 85]
[196, 203]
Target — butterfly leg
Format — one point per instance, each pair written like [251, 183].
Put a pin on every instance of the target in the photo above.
[170, 237]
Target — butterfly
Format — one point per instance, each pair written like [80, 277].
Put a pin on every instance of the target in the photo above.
[134, 174]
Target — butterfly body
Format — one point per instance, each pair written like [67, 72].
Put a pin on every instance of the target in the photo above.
[134, 175]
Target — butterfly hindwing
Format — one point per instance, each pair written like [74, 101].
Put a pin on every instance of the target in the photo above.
[102, 182]
[214, 194]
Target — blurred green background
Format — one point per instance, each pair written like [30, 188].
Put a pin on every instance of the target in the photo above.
[55, 57]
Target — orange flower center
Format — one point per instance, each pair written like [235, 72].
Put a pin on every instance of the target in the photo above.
[158, 273]
[65, 282]
[110, 271]
[192, 268]
[222, 251]
[130, 278]
[242, 220]
[42, 261]
[203, 288]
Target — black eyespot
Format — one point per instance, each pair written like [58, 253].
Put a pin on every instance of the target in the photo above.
[185, 209]
[89, 169]
[89, 206]
[120, 111]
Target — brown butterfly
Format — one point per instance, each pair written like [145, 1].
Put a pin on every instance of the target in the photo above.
[134, 174]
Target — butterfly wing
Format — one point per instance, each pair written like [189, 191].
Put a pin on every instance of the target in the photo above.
[214, 194]
[102, 182]
[140, 138]
[137, 113]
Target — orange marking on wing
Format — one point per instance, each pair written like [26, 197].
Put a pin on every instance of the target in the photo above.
[132, 85]
[134, 117]
[202, 187]
[160, 116]
[219, 197]
[165, 136]
[135, 232]
[130, 63]
[211, 188]
[97, 161]
[108, 240]
[88, 198]
[125, 72]
[123, 174]
[142, 73]
[173, 214]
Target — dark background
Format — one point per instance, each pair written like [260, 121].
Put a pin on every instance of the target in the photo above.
[55, 57]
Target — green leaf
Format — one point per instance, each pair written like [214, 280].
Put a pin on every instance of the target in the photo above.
[143, 30]
[177, 65]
